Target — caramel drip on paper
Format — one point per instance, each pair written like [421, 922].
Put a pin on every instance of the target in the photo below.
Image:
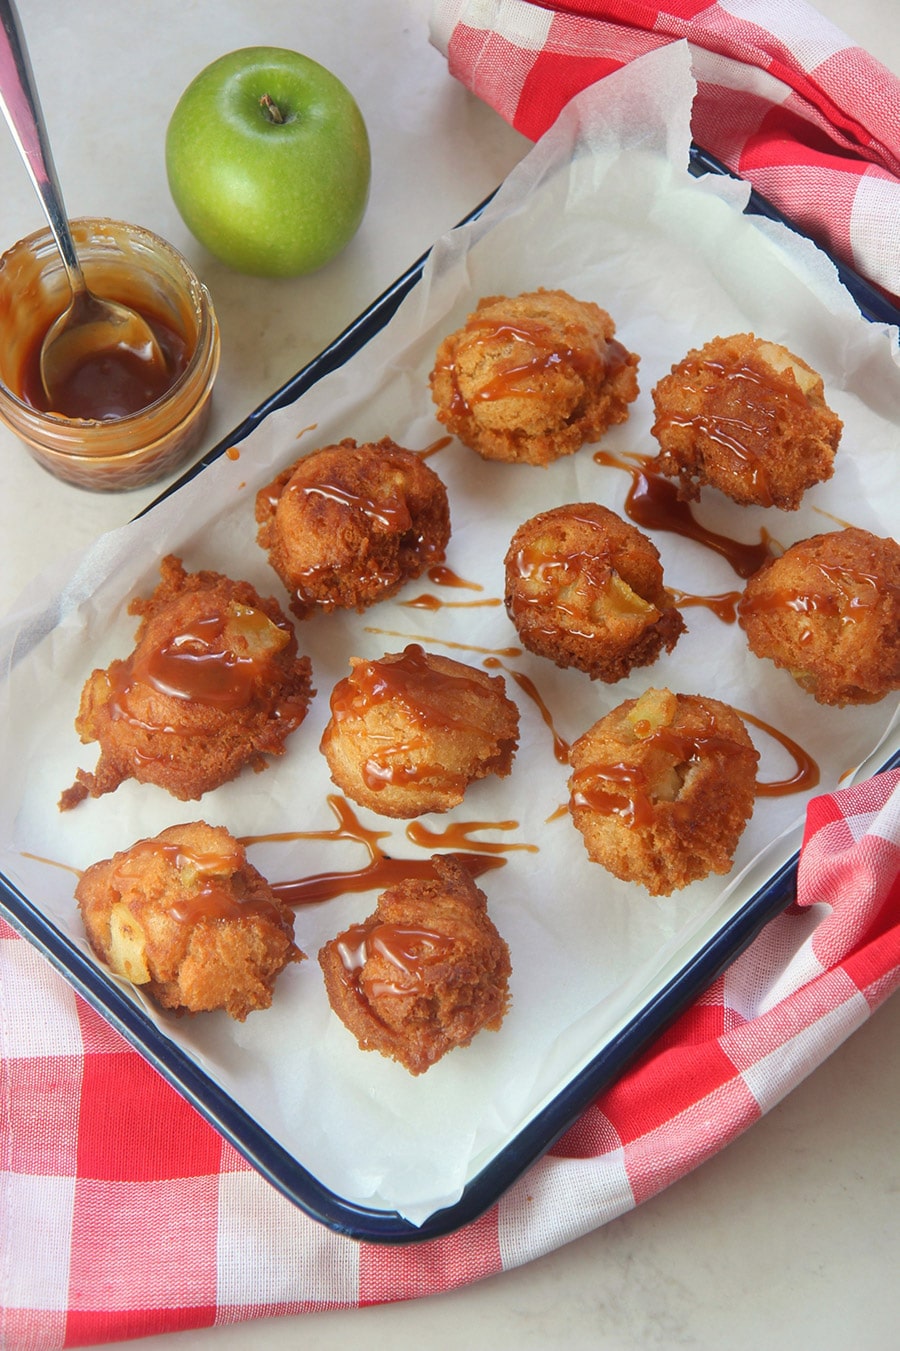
[446, 642]
[653, 502]
[458, 835]
[379, 872]
[528, 687]
[807, 773]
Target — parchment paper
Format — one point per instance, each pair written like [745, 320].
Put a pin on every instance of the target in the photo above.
[603, 207]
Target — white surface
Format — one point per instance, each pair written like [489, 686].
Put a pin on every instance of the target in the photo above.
[789, 1238]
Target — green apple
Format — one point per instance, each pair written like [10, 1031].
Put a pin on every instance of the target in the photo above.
[268, 161]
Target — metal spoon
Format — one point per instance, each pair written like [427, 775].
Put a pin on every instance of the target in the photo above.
[90, 325]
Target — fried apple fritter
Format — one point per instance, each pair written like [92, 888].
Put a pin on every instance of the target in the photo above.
[409, 732]
[424, 973]
[748, 417]
[585, 589]
[532, 377]
[214, 684]
[662, 789]
[828, 611]
[349, 524]
[185, 916]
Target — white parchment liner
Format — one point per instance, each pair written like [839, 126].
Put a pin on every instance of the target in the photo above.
[604, 208]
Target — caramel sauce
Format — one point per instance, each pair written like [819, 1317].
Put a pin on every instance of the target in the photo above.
[380, 871]
[518, 378]
[457, 836]
[53, 863]
[520, 375]
[215, 902]
[653, 502]
[746, 438]
[560, 570]
[829, 516]
[528, 687]
[109, 384]
[271, 493]
[559, 575]
[428, 696]
[441, 575]
[807, 772]
[444, 576]
[408, 679]
[198, 665]
[391, 766]
[411, 950]
[724, 605]
[434, 447]
[427, 601]
[446, 642]
[634, 804]
[211, 899]
[842, 593]
[349, 827]
[392, 512]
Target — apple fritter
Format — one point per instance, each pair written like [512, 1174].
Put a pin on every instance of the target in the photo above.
[662, 789]
[828, 612]
[585, 589]
[214, 684]
[412, 730]
[349, 525]
[530, 378]
[748, 417]
[424, 973]
[185, 916]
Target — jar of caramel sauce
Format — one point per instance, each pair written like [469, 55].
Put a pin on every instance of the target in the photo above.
[116, 431]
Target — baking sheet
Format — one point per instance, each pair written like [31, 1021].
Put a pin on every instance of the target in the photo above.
[603, 207]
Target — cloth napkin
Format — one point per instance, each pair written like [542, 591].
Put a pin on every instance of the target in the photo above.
[784, 98]
[123, 1213]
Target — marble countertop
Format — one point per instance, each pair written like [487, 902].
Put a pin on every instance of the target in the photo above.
[789, 1238]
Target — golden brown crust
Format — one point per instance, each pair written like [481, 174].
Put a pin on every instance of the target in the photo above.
[350, 524]
[662, 788]
[532, 377]
[214, 684]
[748, 417]
[409, 732]
[424, 973]
[185, 916]
[585, 589]
[828, 611]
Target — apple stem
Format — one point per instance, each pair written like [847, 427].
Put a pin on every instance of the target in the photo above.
[271, 109]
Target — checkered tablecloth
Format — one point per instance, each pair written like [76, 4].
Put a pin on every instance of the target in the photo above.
[122, 1213]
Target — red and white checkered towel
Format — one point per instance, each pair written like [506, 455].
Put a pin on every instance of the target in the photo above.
[122, 1213]
[784, 98]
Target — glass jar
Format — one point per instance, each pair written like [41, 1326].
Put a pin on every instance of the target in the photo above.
[126, 263]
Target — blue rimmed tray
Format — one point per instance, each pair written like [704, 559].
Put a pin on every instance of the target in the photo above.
[281, 1166]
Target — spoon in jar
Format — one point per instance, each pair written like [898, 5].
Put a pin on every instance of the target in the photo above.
[89, 326]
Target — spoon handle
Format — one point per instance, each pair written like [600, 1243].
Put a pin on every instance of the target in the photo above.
[22, 110]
